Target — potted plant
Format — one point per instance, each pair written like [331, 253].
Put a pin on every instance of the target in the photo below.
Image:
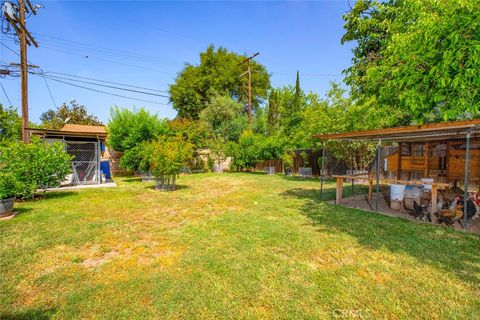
[7, 193]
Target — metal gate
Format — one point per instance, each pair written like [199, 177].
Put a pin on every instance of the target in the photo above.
[85, 162]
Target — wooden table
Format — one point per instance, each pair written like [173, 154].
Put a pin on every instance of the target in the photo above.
[340, 178]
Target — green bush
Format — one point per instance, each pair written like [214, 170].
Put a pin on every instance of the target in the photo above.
[35, 165]
[287, 160]
[8, 185]
[170, 155]
[139, 157]
[128, 129]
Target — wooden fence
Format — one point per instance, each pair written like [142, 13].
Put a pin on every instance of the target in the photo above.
[307, 158]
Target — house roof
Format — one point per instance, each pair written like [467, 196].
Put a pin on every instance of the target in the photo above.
[73, 130]
[433, 131]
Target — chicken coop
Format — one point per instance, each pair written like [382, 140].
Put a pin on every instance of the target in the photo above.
[86, 144]
[436, 165]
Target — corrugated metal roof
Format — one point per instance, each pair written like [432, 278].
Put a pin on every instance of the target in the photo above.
[417, 132]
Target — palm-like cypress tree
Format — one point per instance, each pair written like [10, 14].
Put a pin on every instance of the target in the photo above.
[273, 112]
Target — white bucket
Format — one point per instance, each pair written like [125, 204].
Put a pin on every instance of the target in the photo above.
[426, 181]
[397, 192]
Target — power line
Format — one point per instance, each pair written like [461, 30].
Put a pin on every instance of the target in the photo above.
[108, 61]
[15, 52]
[105, 81]
[6, 95]
[104, 85]
[95, 47]
[104, 92]
[48, 88]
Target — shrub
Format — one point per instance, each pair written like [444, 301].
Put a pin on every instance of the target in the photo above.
[35, 165]
[139, 157]
[128, 129]
[8, 185]
[170, 155]
[287, 160]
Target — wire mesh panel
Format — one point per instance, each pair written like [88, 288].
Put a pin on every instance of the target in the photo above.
[85, 161]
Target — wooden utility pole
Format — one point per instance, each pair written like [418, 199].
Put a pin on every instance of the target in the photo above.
[24, 71]
[15, 16]
[249, 72]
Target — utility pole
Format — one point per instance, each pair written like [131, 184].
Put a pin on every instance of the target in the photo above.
[249, 72]
[15, 15]
[24, 72]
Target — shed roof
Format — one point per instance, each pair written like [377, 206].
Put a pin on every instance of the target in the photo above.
[80, 128]
[73, 130]
[426, 132]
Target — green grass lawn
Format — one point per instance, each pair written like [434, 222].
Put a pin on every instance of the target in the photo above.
[229, 246]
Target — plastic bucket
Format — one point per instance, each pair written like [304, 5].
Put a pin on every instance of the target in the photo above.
[397, 192]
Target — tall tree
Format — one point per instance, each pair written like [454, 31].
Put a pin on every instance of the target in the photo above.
[218, 72]
[418, 59]
[298, 92]
[75, 114]
[273, 113]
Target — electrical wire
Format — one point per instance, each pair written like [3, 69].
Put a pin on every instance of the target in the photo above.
[108, 61]
[105, 81]
[6, 95]
[67, 42]
[48, 88]
[104, 92]
[106, 86]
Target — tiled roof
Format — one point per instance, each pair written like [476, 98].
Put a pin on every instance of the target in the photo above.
[80, 128]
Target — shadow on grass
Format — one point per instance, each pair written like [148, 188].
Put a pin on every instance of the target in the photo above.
[177, 188]
[303, 179]
[39, 314]
[439, 246]
[132, 179]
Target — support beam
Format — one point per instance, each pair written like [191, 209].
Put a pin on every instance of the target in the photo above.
[321, 173]
[465, 184]
[338, 198]
[378, 173]
[434, 199]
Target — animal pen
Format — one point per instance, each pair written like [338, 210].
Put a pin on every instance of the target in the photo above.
[85, 144]
[432, 168]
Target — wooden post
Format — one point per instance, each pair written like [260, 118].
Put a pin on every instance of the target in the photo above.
[434, 199]
[425, 173]
[370, 189]
[338, 198]
[399, 163]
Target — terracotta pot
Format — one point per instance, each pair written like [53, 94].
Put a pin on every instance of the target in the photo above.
[6, 206]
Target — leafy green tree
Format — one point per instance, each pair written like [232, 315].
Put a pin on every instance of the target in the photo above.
[193, 131]
[273, 113]
[337, 113]
[75, 114]
[221, 115]
[418, 59]
[128, 128]
[218, 73]
[35, 165]
[10, 125]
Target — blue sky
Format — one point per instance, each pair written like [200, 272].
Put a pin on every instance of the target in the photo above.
[162, 36]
